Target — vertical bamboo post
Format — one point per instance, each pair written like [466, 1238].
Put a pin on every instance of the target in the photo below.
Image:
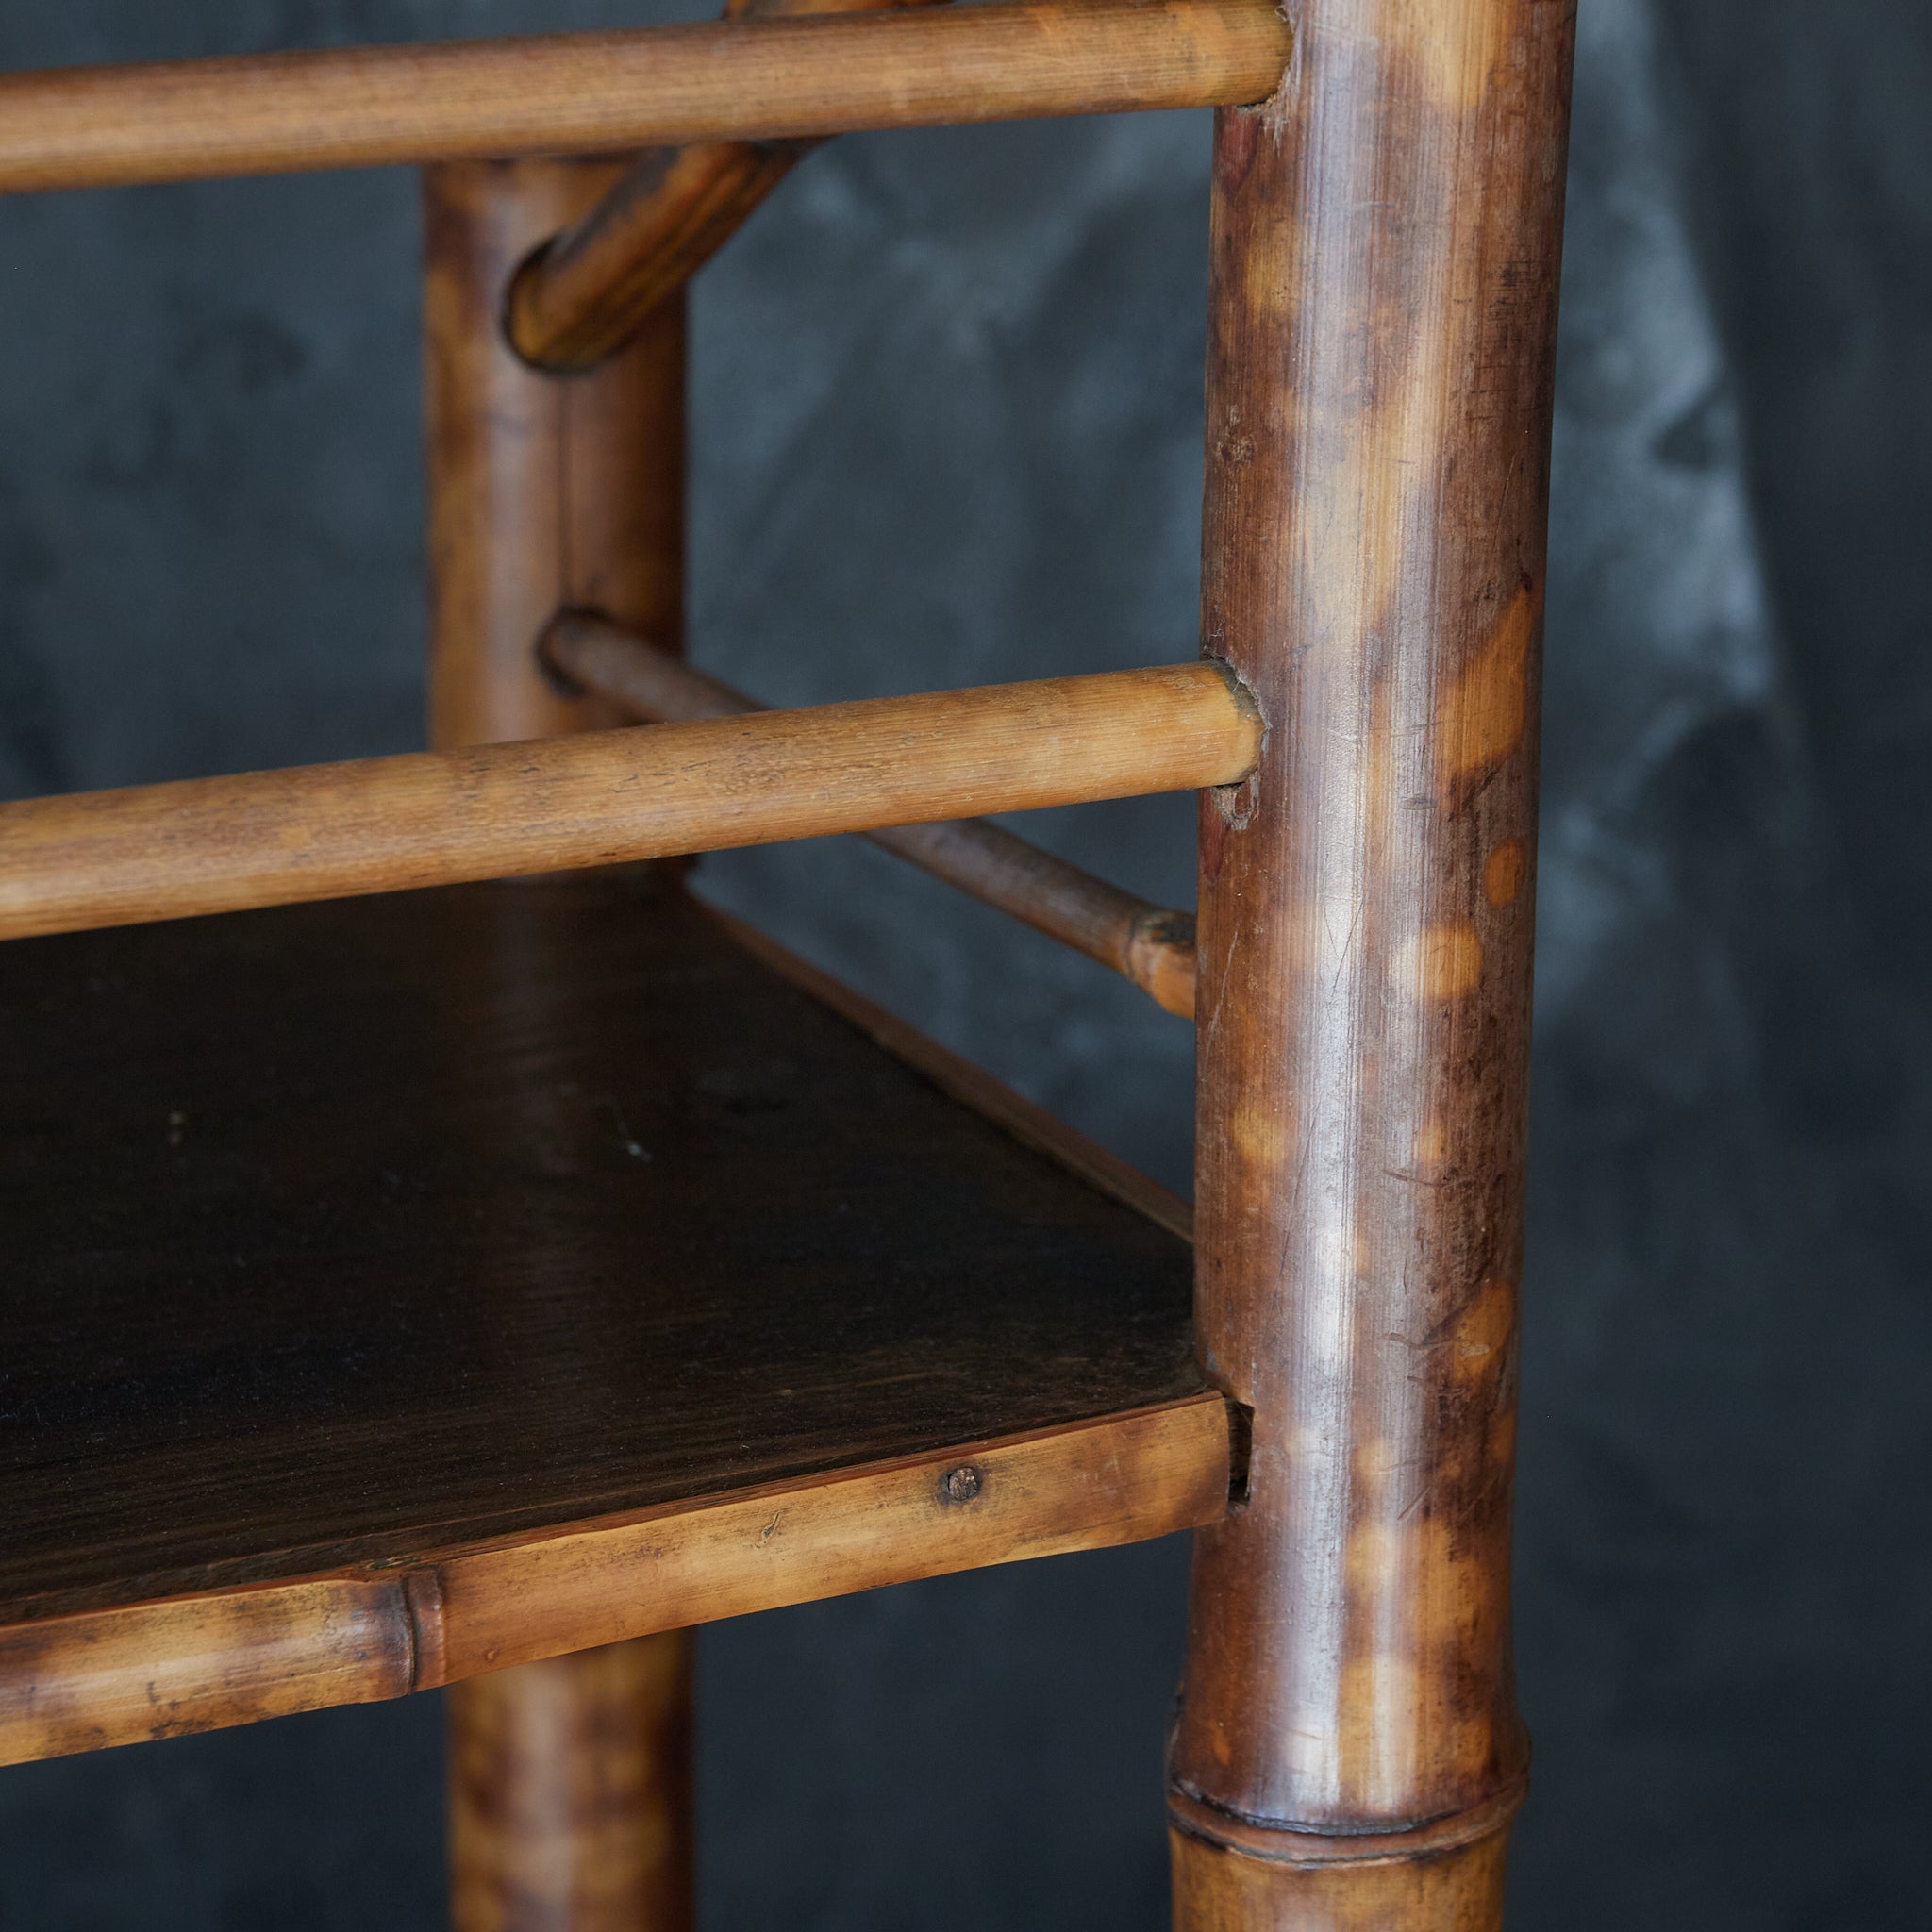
[569, 1793]
[1385, 252]
[569, 1781]
[545, 493]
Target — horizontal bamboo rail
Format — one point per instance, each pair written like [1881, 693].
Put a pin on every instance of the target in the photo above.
[584, 293]
[1149, 945]
[549, 805]
[734, 80]
[123, 1676]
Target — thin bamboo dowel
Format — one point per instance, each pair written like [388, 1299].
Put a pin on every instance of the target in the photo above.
[549, 805]
[1149, 945]
[769, 79]
[584, 293]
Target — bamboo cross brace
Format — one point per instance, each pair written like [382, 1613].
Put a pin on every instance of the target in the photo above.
[601, 93]
[584, 293]
[490, 812]
[1149, 945]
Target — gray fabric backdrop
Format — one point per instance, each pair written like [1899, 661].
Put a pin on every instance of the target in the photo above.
[946, 428]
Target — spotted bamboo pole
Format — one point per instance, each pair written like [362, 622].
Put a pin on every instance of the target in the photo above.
[1385, 246]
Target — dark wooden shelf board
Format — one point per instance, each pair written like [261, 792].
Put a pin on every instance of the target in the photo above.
[406, 1288]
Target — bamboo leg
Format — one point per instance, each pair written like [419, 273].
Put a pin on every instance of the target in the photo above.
[1385, 246]
[569, 1793]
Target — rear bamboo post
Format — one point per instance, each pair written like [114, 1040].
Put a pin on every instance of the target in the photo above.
[570, 1779]
[1149, 945]
[570, 1792]
[1385, 241]
[585, 293]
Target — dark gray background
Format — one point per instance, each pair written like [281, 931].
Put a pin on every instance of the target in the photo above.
[946, 428]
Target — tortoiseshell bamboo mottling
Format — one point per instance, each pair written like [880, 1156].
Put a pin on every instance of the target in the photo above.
[1385, 257]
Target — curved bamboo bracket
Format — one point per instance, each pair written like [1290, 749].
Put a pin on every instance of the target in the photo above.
[583, 294]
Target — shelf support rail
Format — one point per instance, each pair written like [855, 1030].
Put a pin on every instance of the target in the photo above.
[335, 831]
[736, 79]
[1151, 945]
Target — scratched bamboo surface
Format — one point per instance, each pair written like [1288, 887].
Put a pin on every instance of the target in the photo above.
[1348, 1751]
[582, 93]
[375, 1320]
[589, 288]
[434, 818]
[1149, 945]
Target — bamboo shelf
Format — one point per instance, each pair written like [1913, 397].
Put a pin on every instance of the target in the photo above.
[405, 1287]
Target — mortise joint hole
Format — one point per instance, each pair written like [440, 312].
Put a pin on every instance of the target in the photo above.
[1240, 1454]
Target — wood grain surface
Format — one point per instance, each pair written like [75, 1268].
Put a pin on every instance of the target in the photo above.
[536, 1225]
[595, 93]
[431, 817]
[1149, 944]
[963, 1080]
[1385, 248]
